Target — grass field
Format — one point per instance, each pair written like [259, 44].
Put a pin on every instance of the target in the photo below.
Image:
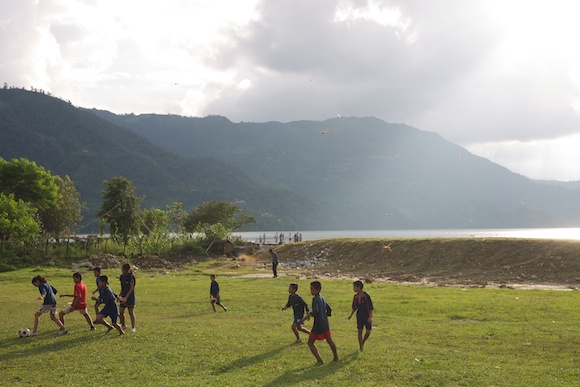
[422, 336]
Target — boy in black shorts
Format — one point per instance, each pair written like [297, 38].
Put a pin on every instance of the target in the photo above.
[299, 306]
[363, 306]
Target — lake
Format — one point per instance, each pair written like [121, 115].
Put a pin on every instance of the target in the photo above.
[525, 233]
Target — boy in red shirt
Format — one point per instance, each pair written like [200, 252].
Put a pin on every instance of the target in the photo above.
[79, 301]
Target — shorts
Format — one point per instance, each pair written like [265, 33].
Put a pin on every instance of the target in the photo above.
[113, 314]
[46, 308]
[320, 336]
[70, 309]
[126, 305]
[215, 299]
[298, 321]
[364, 324]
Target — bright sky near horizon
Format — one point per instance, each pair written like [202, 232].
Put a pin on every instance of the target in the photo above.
[499, 77]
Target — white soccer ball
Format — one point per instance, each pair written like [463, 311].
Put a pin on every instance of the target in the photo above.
[24, 332]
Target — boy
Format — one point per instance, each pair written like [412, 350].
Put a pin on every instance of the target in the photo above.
[214, 294]
[321, 328]
[274, 262]
[47, 294]
[107, 297]
[363, 306]
[79, 301]
[97, 274]
[127, 296]
[298, 305]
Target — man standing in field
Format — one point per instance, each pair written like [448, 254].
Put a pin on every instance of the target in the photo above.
[274, 262]
[363, 306]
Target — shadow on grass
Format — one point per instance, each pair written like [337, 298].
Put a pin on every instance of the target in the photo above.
[43, 343]
[313, 372]
[251, 360]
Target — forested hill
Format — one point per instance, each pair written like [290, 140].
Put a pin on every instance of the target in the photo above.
[67, 140]
[369, 173]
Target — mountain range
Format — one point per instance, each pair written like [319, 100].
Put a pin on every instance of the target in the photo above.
[340, 173]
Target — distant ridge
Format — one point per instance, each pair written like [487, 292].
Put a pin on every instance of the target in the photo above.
[369, 173]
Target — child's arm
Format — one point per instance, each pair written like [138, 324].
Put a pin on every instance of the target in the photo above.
[351, 313]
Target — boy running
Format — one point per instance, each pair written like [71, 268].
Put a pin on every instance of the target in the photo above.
[47, 294]
[79, 301]
[321, 328]
[107, 297]
[214, 294]
[299, 306]
[363, 306]
[97, 274]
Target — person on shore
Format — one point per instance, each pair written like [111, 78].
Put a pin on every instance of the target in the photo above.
[127, 296]
[79, 301]
[363, 306]
[111, 310]
[214, 294]
[321, 328]
[97, 274]
[47, 294]
[274, 262]
[298, 306]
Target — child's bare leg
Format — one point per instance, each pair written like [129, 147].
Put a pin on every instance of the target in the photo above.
[367, 334]
[213, 306]
[56, 320]
[295, 330]
[119, 328]
[361, 342]
[333, 347]
[100, 320]
[122, 315]
[132, 316]
[314, 351]
[89, 320]
[61, 317]
[302, 329]
[223, 306]
[36, 321]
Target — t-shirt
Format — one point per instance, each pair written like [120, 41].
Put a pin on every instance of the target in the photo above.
[298, 305]
[363, 306]
[320, 309]
[214, 289]
[46, 290]
[274, 257]
[81, 292]
[108, 297]
[126, 286]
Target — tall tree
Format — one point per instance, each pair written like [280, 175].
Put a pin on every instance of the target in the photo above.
[217, 212]
[29, 182]
[154, 221]
[62, 218]
[120, 209]
[17, 219]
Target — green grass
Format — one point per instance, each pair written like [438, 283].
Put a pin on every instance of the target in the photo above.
[421, 337]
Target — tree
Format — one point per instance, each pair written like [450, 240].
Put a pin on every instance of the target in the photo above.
[120, 209]
[28, 182]
[154, 222]
[217, 212]
[62, 218]
[17, 219]
[176, 215]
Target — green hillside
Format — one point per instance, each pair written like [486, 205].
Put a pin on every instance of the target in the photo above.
[70, 141]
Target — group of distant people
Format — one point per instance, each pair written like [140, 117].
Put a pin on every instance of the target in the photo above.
[114, 312]
[281, 238]
[320, 311]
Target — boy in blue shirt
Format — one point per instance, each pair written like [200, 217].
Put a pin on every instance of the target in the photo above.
[321, 328]
[109, 298]
[299, 306]
[363, 306]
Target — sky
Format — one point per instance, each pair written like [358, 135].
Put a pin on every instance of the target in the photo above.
[498, 77]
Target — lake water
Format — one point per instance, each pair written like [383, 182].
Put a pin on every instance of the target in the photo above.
[533, 233]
